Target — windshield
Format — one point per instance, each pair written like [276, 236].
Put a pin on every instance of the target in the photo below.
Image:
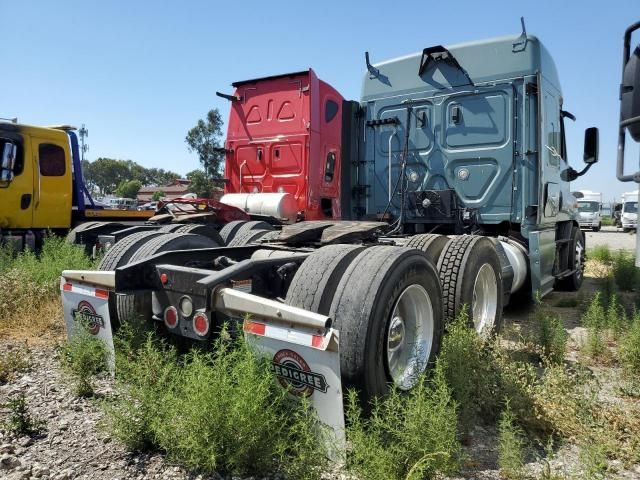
[588, 206]
[630, 207]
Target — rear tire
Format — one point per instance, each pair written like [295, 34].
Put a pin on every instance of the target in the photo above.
[117, 256]
[388, 310]
[230, 229]
[138, 306]
[471, 275]
[204, 230]
[72, 236]
[430, 243]
[315, 282]
[573, 282]
[245, 238]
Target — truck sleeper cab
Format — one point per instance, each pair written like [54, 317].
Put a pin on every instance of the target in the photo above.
[285, 136]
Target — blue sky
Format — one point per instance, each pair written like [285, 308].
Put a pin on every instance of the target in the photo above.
[139, 74]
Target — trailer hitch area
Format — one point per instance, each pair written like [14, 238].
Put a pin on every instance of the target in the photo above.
[301, 346]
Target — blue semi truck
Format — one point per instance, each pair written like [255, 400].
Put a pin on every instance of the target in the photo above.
[455, 193]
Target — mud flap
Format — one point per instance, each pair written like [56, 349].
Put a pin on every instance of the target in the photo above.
[307, 363]
[87, 307]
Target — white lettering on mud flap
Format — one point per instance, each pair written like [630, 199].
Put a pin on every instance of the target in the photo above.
[87, 307]
[307, 363]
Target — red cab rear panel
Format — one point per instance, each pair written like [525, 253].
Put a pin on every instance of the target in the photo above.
[284, 135]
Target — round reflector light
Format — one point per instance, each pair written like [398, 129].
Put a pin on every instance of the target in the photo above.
[171, 317]
[201, 324]
[186, 306]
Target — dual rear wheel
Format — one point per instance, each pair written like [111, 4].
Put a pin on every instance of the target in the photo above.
[391, 305]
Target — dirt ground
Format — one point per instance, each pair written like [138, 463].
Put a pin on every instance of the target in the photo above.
[73, 444]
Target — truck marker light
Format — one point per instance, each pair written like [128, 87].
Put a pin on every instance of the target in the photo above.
[164, 278]
[201, 324]
[102, 293]
[317, 341]
[254, 327]
[171, 317]
[67, 287]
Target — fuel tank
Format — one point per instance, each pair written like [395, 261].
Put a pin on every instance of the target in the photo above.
[278, 205]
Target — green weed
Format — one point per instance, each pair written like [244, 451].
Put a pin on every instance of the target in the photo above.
[593, 459]
[595, 321]
[407, 436]
[213, 411]
[625, 271]
[82, 357]
[550, 335]
[510, 445]
[601, 253]
[21, 421]
[14, 361]
[630, 349]
[469, 371]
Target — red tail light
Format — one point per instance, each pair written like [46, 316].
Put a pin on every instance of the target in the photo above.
[201, 324]
[171, 317]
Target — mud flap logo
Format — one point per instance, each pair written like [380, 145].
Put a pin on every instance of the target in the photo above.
[87, 316]
[295, 375]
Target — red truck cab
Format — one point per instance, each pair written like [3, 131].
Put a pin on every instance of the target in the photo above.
[284, 136]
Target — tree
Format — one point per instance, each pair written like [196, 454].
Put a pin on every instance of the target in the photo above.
[157, 195]
[204, 139]
[129, 189]
[106, 174]
[158, 177]
[200, 184]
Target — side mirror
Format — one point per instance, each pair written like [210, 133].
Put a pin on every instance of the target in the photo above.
[591, 145]
[9, 153]
[630, 95]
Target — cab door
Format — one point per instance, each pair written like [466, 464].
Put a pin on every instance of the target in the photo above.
[52, 182]
[16, 190]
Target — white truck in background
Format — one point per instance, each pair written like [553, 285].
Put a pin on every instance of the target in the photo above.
[629, 213]
[590, 210]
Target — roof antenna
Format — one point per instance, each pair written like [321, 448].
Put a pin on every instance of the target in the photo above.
[372, 70]
[521, 43]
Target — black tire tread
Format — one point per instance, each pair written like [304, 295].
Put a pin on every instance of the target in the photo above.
[72, 235]
[243, 238]
[315, 282]
[430, 243]
[230, 229]
[450, 269]
[121, 251]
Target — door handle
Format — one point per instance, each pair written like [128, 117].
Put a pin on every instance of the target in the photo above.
[25, 201]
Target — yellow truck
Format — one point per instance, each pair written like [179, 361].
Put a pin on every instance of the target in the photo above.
[42, 188]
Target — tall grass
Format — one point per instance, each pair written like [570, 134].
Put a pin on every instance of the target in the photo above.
[469, 371]
[510, 445]
[83, 357]
[407, 436]
[625, 271]
[601, 253]
[549, 334]
[29, 286]
[630, 349]
[215, 411]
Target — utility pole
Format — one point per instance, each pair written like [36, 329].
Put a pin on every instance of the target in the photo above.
[84, 133]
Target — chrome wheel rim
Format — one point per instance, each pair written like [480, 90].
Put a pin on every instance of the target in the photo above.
[409, 336]
[484, 305]
[579, 259]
